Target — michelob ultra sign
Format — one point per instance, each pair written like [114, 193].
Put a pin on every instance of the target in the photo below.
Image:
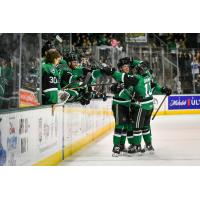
[183, 102]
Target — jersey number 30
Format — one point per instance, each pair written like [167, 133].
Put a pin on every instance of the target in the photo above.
[53, 80]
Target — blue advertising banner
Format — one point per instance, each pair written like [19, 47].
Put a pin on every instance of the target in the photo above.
[183, 102]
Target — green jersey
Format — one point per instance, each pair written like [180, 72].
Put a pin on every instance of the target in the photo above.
[50, 84]
[143, 89]
[122, 97]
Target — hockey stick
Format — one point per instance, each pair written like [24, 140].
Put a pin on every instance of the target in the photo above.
[86, 80]
[82, 86]
[159, 107]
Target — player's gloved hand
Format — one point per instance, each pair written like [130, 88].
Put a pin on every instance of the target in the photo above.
[109, 71]
[130, 80]
[85, 100]
[86, 71]
[116, 88]
[63, 96]
[137, 98]
[167, 91]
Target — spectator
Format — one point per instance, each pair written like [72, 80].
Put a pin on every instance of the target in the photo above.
[195, 68]
[197, 84]
[182, 44]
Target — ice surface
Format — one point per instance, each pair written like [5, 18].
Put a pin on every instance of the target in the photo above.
[176, 139]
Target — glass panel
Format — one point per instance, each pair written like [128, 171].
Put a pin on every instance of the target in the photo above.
[9, 70]
[30, 70]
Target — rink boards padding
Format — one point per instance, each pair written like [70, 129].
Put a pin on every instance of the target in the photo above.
[41, 136]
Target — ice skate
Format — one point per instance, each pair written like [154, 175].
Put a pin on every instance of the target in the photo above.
[148, 149]
[116, 151]
[123, 150]
[135, 150]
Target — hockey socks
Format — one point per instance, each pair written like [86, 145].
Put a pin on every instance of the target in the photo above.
[147, 135]
[129, 129]
[137, 137]
[123, 138]
[118, 134]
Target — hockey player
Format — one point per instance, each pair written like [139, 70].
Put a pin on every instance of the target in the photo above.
[143, 107]
[121, 104]
[121, 110]
[74, 76]
[50, 79]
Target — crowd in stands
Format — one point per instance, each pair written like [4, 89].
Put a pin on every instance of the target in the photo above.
[188, 46]
[95, 39]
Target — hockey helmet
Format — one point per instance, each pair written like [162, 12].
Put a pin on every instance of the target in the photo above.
[72, 57]
[48, 45]
[123, 61]
[143, 67]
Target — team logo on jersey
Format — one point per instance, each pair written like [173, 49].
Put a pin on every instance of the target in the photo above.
[53, 71]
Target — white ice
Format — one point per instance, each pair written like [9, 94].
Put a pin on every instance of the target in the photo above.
[176, 139]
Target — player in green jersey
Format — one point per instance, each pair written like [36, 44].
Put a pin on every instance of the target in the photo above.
[74, 76]
[121, 104]
[121, 110]
[51, 90]
[143, 107]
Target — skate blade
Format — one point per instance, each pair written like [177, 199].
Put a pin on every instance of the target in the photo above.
[138, 154]
[123, 153]
[135, 154]
[149, 152]
[130, 154]
[115, 155]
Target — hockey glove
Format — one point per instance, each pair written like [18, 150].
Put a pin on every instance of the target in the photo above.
[109, 71]
[116, 88]
[86, 71]
[136, 98]
[166, 91]
[63, 96]
[130, 80]
[85, 100]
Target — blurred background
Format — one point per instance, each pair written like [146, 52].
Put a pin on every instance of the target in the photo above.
[174, 59]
